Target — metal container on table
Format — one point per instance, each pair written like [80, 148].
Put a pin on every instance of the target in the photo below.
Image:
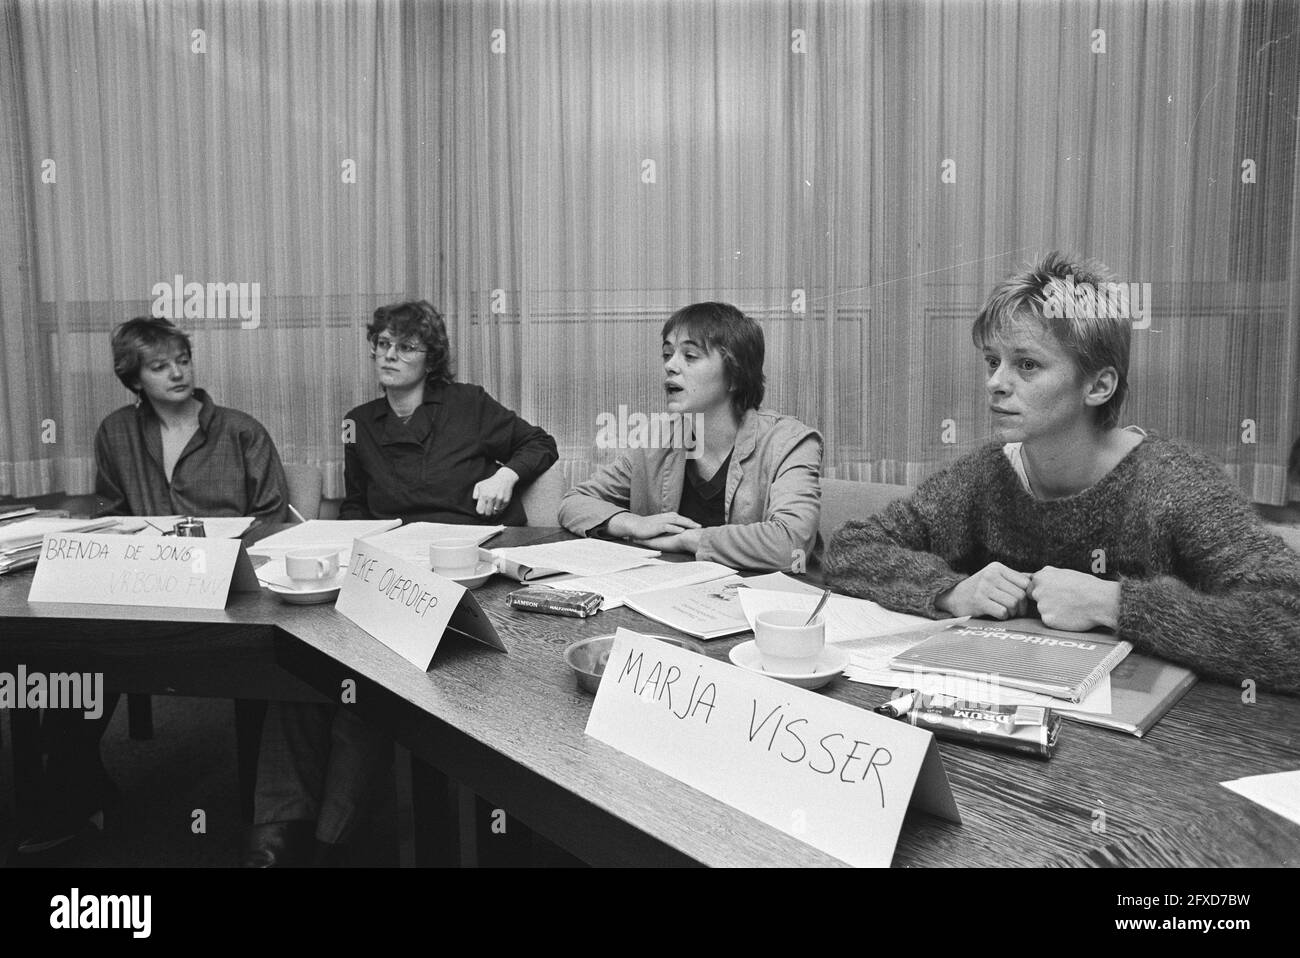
[190, 527]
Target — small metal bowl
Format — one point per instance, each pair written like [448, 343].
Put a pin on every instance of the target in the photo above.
[587, 657]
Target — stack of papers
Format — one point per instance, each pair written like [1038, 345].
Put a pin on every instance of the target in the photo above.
[579, 556]
[657, 577]
[334, 534]
[411, 542]
[20, 542]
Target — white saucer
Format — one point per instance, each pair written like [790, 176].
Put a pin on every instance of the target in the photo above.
[829, 664]
[297, 593]
[482, 572]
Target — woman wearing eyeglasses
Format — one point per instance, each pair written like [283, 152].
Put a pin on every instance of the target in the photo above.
[432, 449]
[429, 450]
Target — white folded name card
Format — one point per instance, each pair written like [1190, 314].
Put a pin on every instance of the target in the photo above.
[409, 608]
[835, 776]
[175, 573]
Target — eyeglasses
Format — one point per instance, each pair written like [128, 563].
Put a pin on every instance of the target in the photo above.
[406, 352]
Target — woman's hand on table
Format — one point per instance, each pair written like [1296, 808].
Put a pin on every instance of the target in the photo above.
[688, 541]
[625, 525]
[1074, 601]
[493, 494]
[996, 590]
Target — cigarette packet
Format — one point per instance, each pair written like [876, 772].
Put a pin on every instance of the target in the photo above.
[551, 601]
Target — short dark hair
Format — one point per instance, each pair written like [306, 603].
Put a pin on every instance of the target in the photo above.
[1095, 337]
[418, 320]
[738, 338]
[134, 337]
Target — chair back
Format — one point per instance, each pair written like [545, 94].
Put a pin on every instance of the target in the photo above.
[1288, 534]
[541, 498]
[305, 484]
[844, 499]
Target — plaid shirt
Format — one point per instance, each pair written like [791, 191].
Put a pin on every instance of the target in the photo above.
[228, 468]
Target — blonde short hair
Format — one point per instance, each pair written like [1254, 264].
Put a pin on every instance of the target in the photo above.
[1094, 337]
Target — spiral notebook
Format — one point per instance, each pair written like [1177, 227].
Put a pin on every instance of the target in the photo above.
[1021, 654]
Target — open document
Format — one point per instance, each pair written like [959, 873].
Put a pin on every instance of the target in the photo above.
[659, 576]
[706, 610]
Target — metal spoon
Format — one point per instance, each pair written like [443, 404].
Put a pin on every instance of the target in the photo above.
[820, 605]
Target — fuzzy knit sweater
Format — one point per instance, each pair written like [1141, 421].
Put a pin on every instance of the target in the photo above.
[1201, 582]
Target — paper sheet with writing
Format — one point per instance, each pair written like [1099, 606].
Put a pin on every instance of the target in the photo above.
[321, 534]
[837, 777]
[407, 607]
[1279, 792]
[579, 556]
[411, 541]
[706, 610]
[653, 577]
[113, 569]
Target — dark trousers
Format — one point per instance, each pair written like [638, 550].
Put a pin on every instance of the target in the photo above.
[75, 781]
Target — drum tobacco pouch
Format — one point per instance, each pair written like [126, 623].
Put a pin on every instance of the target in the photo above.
[541, 598]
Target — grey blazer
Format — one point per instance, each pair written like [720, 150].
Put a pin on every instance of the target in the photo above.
[773, 495]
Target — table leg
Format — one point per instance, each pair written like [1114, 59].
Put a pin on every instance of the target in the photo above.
[139, 713]
[436, 817]
[249, 715]
[25, 727]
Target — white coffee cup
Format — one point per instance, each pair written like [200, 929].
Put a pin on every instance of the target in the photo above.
[306, 566]
[788, 646]
[454, 558]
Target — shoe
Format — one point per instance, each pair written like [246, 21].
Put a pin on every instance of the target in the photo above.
[61, 823]
[279, 844]
[48, 836]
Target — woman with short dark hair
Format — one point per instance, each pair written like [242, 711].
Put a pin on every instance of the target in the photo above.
[728, 481]
[432, 450]
[172, 452]
[175, 451]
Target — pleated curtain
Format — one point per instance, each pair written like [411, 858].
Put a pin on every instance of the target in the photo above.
[559, 175]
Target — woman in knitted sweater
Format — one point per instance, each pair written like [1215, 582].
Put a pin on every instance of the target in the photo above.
[1069, 516]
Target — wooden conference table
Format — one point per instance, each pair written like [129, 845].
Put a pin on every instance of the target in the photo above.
[510, 727]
